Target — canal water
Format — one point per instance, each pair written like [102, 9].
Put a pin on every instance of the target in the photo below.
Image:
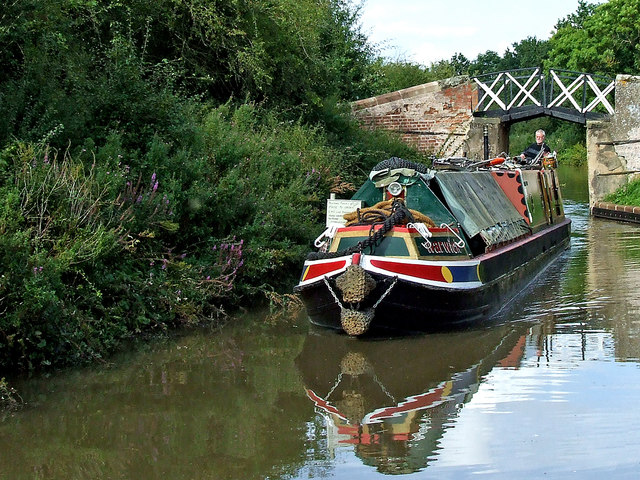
[549, 389]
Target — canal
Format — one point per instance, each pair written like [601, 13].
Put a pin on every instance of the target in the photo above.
[549, 389]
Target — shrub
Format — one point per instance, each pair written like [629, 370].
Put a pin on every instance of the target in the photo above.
[85, 261]
[575, 155]
[114, 241]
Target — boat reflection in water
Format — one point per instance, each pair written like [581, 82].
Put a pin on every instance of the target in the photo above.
[393, 399]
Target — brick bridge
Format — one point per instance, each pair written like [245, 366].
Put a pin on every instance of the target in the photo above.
[450, 117]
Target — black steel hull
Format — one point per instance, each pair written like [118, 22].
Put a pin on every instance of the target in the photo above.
[413, 306]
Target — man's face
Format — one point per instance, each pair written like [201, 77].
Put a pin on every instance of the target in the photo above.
[539, 138]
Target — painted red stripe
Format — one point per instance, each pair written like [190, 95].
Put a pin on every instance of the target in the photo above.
[322, 403]
[418, 402]
[318, 269]
[426, 272]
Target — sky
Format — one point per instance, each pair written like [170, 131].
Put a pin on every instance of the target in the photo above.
[426, 31]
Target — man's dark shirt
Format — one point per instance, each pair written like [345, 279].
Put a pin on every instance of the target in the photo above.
[533, 150]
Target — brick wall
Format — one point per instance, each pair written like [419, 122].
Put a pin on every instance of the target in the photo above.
[435, 117]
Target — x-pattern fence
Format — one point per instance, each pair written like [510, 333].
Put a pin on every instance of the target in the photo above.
[524, 93]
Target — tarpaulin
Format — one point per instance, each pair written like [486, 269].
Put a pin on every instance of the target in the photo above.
[481, 207]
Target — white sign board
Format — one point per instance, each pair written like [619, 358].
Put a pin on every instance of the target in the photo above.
[337, 208]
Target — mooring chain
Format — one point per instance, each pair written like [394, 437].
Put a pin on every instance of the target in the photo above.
[395, 279]
[335, 297]
[334, 386]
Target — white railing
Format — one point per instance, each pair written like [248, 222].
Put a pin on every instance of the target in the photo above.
[505, 80]
[528, 88]
[583, 84]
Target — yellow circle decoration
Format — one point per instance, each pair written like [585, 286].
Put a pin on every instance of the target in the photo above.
[446, 273]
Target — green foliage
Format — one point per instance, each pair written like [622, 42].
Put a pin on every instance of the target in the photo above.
[527, 53]
[396, 75]
[599, 38]
[575, 155]
[626, 195]
[530, 52]
[100, 67]
[102, 245]
[86, 260]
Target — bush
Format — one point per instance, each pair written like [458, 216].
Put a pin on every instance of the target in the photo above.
[112, 241]
[575, 155]
[86, 260]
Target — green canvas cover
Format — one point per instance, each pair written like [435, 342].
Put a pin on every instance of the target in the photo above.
[419, 197]
[481, 207]
[369, 194]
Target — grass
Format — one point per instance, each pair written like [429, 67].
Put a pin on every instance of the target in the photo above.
[626, 195]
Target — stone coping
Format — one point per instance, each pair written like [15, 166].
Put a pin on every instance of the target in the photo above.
[613, 211]
[411, 92]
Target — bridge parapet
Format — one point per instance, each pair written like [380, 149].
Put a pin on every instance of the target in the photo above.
[434, 117]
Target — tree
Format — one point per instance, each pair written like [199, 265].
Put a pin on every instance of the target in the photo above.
[399, 74]
[460, 64]
[530, 52]
[486, 62]
[601, 38]
[93, 67]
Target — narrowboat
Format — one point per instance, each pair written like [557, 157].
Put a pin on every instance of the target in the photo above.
[422, 248]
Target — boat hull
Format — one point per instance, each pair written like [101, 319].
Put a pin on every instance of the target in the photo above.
[405, 302]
